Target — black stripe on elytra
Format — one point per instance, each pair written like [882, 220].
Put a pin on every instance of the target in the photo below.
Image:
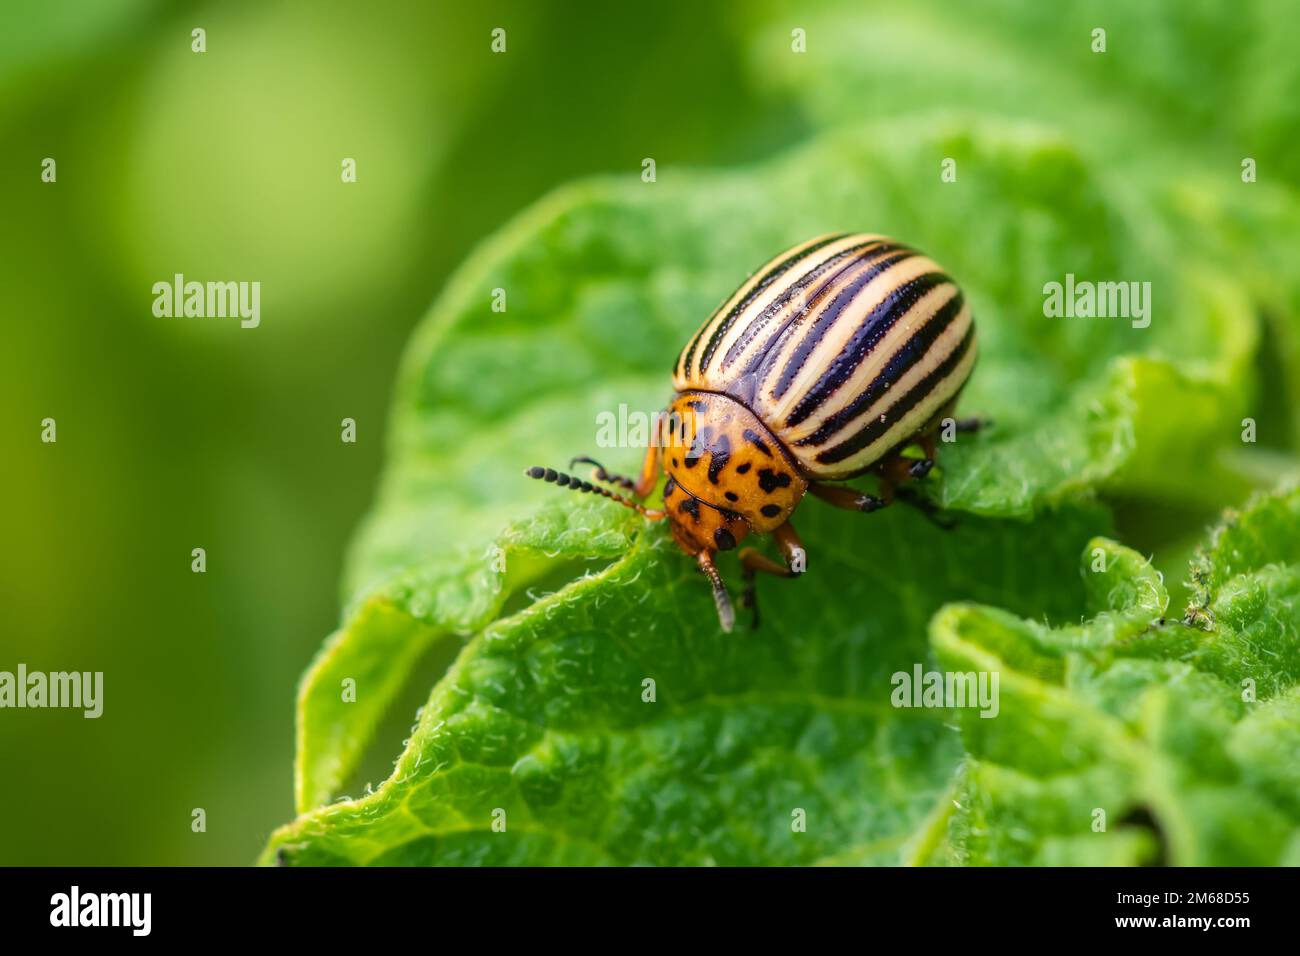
[688, 354]
[882, 423]
[774, 271]
[765, 358]
[828, 316]
[903, 359]
[755, 326]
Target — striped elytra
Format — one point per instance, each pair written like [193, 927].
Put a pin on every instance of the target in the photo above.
[831, 360]
[845, 346]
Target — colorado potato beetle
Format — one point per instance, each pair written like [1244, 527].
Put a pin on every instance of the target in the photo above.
[829, 362]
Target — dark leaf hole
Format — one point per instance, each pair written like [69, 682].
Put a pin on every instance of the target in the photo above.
[1141, 816]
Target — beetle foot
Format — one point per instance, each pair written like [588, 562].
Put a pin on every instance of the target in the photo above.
[920, 469]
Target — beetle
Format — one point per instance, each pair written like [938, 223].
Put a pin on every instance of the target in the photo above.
[829, 362]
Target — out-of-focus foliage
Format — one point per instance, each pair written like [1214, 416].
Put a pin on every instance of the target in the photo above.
[174, 434]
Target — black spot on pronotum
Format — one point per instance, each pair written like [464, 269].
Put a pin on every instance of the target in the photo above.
[770, 511]
[721, 450]
[691, 507]
[770, 480]
[670, 486]
[757, 442]
[696, 404]
[742, 469]
[724, 539]
[703, 442]
[732, 496]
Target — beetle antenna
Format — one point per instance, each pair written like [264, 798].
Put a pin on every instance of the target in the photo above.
[726, 613]
[562, 480]
[600, 474]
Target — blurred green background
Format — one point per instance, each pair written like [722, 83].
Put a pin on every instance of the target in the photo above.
[183, 433]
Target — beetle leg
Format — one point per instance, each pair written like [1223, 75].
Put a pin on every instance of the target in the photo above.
[649, 471]
[850, 499]
[919, 469]
[894, 473]
[753, 561]
[721, 599]
[935, 427]
[972, 424]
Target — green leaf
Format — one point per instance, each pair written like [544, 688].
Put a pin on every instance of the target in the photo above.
[393, 628]
[1180, 736]
[604, 281]
[544, 714]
